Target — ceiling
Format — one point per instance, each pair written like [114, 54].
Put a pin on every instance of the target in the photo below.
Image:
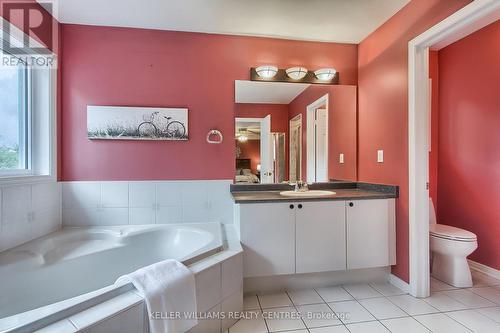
[256, 92]
[342, 21]
[248, 128]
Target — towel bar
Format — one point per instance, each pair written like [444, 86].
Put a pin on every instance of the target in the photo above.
[215, 133]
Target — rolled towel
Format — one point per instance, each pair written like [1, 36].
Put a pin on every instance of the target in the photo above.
[168, 288]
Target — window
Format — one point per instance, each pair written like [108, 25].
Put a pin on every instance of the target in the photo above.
[15, 120]
[27, 112]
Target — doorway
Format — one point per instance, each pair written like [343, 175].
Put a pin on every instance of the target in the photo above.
[317, 140]
[469, 19]
[254, 150]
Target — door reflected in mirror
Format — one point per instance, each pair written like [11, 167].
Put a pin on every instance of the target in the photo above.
[296, 148]
[286, 132]
[260, 153]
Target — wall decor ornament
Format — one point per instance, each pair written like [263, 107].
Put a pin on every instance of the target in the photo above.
[137, 123]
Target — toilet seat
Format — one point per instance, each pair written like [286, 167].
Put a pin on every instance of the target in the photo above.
[451, 233]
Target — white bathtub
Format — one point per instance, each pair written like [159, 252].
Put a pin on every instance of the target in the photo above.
[59, 267]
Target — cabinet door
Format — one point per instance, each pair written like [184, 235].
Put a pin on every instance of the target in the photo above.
[268, 238]
[369, 233]
[320, 243]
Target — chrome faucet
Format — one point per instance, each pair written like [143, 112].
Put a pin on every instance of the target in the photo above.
[301, 186]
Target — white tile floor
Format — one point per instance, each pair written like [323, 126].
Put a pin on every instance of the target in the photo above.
[376, 307]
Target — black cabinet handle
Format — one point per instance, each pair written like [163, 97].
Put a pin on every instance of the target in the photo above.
[351, 204]
[300, 206]
[292, 206]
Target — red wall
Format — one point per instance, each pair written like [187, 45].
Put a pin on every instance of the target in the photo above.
[469, 139]
[137, 67]
[341, 127]
[383, 105]
[250, 149]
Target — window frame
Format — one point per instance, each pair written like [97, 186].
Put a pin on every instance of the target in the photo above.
[40, 118]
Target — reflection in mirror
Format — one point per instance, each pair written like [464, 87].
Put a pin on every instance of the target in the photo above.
[294, 131]
[260, 153]
[247, 138]
[296, 148]
[279, 157]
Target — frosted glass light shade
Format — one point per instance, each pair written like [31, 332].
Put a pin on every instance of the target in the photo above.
[242, 138]
[325, 74]
[266, 72]
[296, 73]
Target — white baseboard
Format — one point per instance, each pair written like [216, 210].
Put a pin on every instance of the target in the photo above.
[314, 280]
[494, 273]
[397, 282]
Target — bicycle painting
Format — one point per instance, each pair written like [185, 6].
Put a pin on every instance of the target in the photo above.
[137, 123]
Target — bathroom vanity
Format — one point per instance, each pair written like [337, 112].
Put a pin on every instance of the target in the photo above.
[351, 229]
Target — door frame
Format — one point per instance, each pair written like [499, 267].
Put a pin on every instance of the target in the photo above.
[310, 147]
[465, 21]
[294, 120]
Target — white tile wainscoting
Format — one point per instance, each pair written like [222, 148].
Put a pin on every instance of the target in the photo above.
[146, 202]
[28, 212]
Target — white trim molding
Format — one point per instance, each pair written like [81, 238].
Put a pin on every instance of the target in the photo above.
[397, 282]
[465, 21]
[310, 135]
[490, 271]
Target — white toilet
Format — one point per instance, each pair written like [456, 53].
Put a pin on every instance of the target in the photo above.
[450, 247]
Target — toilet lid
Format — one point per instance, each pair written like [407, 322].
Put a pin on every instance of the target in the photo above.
[449, 232]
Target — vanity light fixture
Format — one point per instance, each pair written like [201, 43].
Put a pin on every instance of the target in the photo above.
[243, 138]
[296, 73]
[266, 72]
[325, 74]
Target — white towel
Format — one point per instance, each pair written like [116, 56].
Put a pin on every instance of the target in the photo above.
[168, 288]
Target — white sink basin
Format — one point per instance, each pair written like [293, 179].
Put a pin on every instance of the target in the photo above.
[311, 193]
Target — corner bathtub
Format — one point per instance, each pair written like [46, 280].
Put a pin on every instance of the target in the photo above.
[48, 274]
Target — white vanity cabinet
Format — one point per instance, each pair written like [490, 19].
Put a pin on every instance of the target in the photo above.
[316, 236]
[267, 233]
[370, 233]
[320, 236]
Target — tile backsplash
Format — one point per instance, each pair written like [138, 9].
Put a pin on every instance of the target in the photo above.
[88, 203]
[31, 211]
[28, 212]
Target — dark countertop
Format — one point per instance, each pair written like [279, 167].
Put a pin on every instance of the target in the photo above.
[340, 194]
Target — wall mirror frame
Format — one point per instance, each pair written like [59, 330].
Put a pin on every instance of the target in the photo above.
[317, 126]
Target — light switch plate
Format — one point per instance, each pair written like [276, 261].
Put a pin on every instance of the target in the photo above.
[380, 156]
[341, 158]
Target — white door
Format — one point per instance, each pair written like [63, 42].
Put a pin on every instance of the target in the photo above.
[266, 151]
[321, 145]
[370, 233]
[320, 242]
[267, 233]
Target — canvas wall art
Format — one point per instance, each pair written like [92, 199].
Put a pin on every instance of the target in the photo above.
[136, 123]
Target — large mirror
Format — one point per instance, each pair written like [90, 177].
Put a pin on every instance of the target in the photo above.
[286, 132]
